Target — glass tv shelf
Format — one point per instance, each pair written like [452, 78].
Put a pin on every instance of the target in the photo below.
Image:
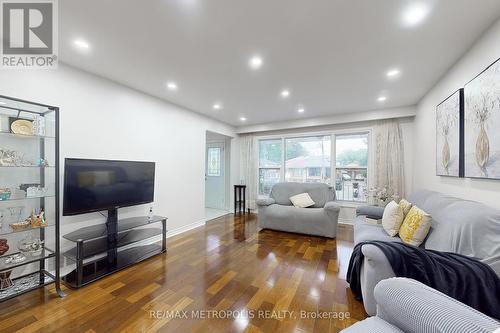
[100, 249]
[101, 267]
[101, 230]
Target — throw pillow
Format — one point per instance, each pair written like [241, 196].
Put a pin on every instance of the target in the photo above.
[416, 226]
[405, 205]
[302, 200]
[392, 218]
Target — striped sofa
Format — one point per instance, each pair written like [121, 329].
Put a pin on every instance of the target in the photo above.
[408, 306]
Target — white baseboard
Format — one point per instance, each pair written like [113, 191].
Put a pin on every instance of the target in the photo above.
[180, 230]
[172, 232]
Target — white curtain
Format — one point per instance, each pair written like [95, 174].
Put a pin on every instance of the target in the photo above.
[389, 157]
[248, 168]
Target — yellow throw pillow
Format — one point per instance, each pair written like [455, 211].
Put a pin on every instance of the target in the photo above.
[405, 205]
[392, 218]
[302, 200]
[415, 226]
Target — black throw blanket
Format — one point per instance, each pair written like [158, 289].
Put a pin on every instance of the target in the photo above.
[463, 278]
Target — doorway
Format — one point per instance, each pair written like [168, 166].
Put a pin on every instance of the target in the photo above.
[216, 175]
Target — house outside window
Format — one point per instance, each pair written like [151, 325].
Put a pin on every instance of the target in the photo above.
[351, 165]
[308, 159]
[270, 156]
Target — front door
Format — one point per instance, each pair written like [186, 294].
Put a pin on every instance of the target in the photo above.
[215, 194]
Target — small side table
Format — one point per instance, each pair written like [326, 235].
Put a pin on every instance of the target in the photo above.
[240, 199]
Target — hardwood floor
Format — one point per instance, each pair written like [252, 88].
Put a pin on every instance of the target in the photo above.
[227, 265]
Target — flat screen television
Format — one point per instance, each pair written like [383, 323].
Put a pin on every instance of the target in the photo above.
[96, 185]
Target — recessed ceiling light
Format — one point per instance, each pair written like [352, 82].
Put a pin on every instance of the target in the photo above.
[2, 103]
[285, 93]
[172, 86]
[393, 73]
[301, 110]
[255, 62]
[217, 106]
[243, 119]
[382, 99]
[415, 14]
[81, 44]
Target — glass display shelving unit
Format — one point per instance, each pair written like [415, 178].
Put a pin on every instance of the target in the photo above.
[29, 185]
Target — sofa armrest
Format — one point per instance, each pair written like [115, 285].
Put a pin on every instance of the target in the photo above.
[415, 307]
[332, 206]
[265, 201]
[370, 211]
[376, 267]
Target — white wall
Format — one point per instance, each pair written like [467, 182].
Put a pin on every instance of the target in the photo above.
[483, 53]
[104, 120]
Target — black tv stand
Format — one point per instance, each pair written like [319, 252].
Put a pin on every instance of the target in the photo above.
[98, 251]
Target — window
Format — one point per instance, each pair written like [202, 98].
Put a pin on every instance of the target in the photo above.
[213, 161]
[351, 164]
[270, 155]
[307, 159]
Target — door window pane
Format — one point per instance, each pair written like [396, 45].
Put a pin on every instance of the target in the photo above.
[351, 160]
[307, 159]
[213, 157]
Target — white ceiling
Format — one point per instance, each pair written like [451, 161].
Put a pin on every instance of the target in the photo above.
[331, 54]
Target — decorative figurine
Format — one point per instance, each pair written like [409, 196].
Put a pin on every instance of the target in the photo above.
[5, 281]
[28, 245]
[4, 247]
[5, 193]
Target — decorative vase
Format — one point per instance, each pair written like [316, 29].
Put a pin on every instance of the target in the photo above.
[4, 247]
[482, 149]
[446, 155]
[5, 281]
[382, 203]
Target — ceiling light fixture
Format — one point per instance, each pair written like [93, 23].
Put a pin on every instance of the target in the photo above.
[255, 62]
[217, 106]
[2, 103]
[81, 44]
[172, 86]
[415, 14]
[285, 93]
[301, 109]
[243, 119]
[393, 73]
[382, 99]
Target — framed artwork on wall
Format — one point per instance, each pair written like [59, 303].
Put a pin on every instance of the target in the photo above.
[482, 124]
[449, 137]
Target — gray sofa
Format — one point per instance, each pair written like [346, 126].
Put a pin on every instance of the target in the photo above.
[408, 306]
[460, 226]
[278, 213]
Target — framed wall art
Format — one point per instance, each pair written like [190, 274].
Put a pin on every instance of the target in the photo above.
[449, 136]
[482, 124]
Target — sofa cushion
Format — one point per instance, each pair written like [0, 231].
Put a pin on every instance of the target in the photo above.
[461, 226]
[320, 193]
[302, 200]
[415, 227]
[370, 232]
[392, 218]
[310, 221]
[405, 205]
